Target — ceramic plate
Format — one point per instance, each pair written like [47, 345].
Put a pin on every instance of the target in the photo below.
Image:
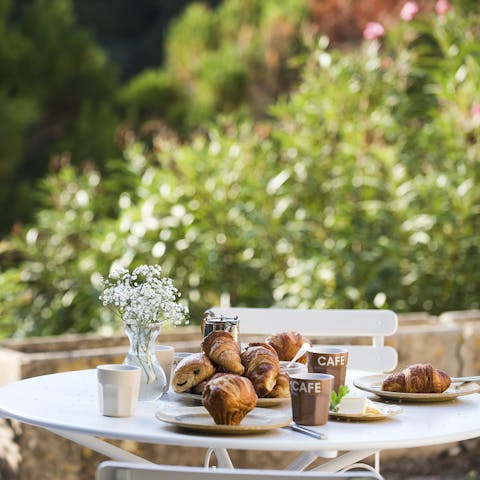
[261, 402]
[385, 412]
[373, 384]
[197, 418]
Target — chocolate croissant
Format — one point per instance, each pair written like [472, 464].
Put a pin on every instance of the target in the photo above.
[419, 378]
[261, 367]
[222, 349]
[191, 371]
[228, 398]
[282, 386]
[287, 344]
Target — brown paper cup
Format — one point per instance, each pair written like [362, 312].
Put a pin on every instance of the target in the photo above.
[331, 360]
[310, 394]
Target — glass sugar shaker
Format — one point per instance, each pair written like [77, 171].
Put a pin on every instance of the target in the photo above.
[212, 322]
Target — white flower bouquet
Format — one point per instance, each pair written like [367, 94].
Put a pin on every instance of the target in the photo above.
[143, 297]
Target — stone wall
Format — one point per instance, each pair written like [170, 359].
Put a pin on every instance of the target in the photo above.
[450, 341]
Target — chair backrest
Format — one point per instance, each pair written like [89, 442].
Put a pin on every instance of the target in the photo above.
[139, 471]
[375, 324]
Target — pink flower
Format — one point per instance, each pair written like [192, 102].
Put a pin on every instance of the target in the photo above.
[373, 30]
[408, 11]
[476, 111]
[386, 63]
[442, 7]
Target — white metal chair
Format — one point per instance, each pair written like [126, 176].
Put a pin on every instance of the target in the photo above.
[138, 471]
[375, 324]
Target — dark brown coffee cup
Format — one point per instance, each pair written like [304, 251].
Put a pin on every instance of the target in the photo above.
[331, 360]
[310, 394]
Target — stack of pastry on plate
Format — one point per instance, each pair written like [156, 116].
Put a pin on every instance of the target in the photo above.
[231, 381]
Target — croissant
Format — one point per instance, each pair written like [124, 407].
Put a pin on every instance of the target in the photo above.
[228, 398]
[282, 386]
[222, 349]
[419, 378]
[287, 344]
[191, 371]
[261, 367]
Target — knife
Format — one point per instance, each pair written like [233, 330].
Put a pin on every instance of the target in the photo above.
[474, 378]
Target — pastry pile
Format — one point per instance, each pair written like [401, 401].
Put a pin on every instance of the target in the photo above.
[231, 381]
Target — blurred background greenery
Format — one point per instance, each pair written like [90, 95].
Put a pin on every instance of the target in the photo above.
[262, 152]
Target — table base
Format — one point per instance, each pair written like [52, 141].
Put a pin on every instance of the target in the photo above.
[223, 458]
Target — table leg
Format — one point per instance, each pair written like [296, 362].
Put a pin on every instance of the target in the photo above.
[100, 446]
[305, 459]
[344, 461]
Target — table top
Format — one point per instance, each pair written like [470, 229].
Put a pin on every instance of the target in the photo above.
[69, 402]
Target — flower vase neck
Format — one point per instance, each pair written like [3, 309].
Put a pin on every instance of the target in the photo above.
[142, 353]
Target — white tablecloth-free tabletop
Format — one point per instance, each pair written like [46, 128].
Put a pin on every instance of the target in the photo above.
[67, 403]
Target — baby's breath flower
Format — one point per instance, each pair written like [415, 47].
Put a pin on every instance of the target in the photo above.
[143, 297]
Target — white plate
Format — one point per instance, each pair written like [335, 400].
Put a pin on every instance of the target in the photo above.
[373, 384]
[197, 418]
[261, 402]
[385, 412]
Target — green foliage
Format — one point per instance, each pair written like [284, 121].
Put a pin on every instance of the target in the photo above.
[56, 96]
[353, 195]
[154, 94]
[132, 33]
[53, 289]
[218, 61]
[395, 211]
[60, 97]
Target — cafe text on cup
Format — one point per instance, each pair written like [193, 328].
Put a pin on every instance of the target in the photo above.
[331, 361]
[298, 386]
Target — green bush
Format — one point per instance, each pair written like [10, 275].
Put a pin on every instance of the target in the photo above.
[154, 94]
[219, 60]
[60, 97]
[354, 194]
[57, 93]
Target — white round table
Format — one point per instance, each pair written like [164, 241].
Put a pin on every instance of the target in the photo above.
[67, 403]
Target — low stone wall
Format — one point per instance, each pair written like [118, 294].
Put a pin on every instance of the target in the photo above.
[450, 341]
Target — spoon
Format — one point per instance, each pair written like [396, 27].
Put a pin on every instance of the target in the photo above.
[300, 352]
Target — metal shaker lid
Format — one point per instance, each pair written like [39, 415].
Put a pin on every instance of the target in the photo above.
[211, 317]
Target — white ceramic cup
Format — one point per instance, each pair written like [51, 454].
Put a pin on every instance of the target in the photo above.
[164, 354]
[118, 387]
[295, 369]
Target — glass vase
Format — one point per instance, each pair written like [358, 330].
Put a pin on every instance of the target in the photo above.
[153, 383]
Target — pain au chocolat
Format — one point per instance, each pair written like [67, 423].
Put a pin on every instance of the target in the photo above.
[191, 371]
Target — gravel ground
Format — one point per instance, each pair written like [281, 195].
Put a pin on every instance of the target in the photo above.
[461, 462]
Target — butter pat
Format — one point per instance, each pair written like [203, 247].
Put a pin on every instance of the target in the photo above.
[352, 405]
